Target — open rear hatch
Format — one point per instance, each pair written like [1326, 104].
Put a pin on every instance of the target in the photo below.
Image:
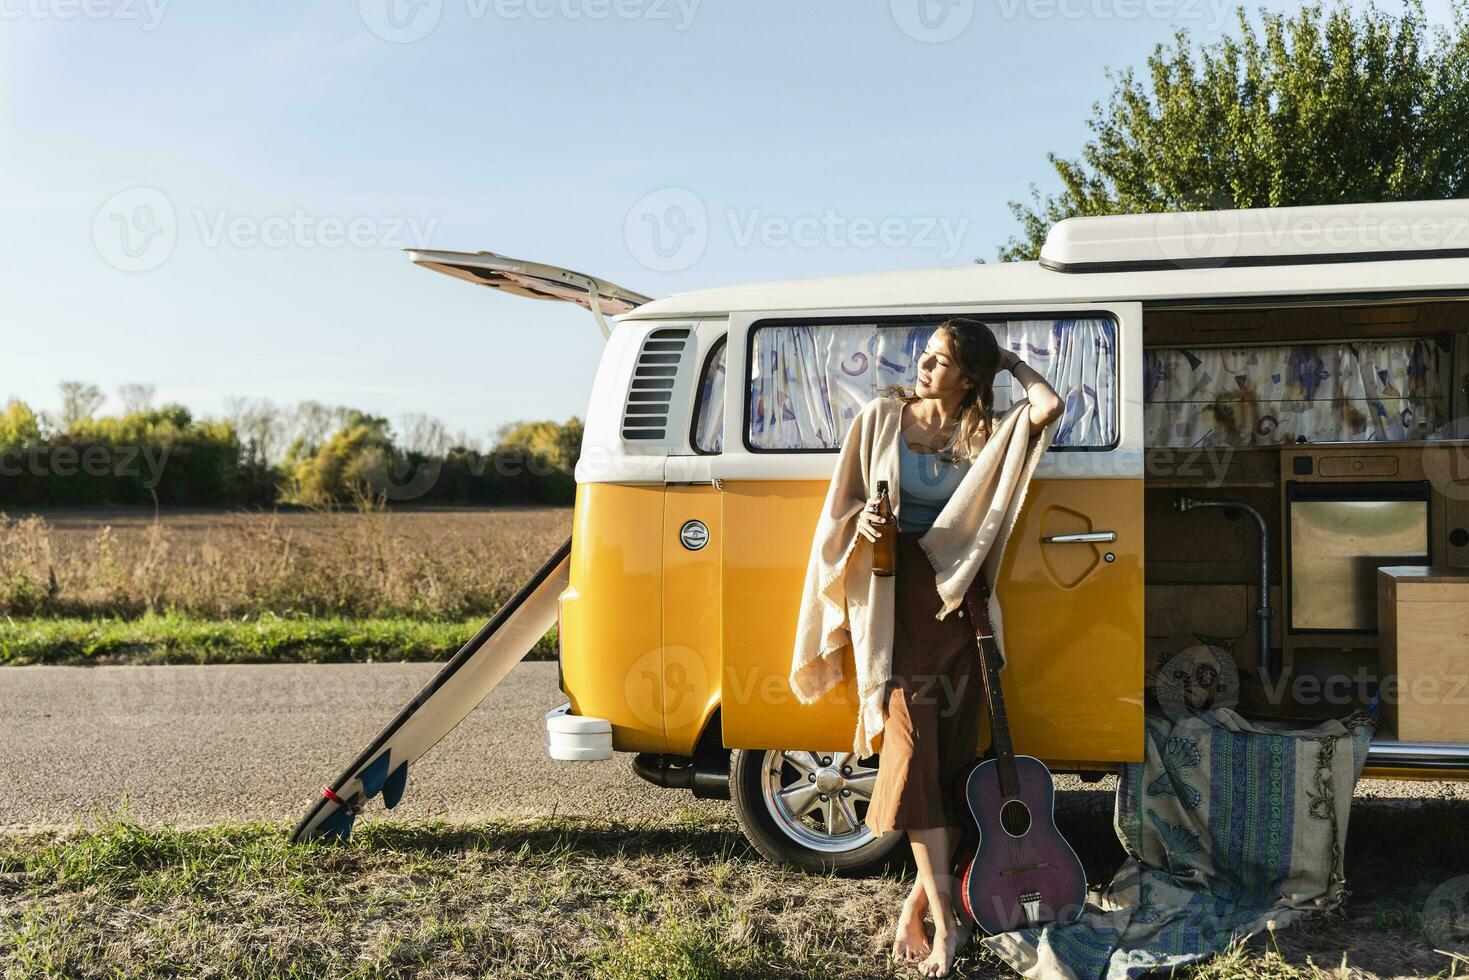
[534, 280]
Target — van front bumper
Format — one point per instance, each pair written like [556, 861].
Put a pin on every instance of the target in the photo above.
[577, 738]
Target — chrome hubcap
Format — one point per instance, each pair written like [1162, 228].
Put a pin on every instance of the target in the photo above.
[819, 799]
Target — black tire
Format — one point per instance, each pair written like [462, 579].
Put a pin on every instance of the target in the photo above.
[805, 842]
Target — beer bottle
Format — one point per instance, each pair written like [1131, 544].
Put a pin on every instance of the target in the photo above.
[884, 549]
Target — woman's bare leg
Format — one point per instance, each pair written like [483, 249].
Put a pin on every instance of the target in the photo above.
[931, 853]
[911, 940]
[918, 899]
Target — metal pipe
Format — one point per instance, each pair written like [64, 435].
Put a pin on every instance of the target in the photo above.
[1418, 755]
[1262, 611]
[706, 779]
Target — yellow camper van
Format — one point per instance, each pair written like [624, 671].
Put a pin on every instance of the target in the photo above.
[1258, 497]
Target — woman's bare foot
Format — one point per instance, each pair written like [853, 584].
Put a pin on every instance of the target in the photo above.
[911, 939]
[964, 931]
[945, 945]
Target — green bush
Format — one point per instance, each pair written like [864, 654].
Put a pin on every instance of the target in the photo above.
[168, 457]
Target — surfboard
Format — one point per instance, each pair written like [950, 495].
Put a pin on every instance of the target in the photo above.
[448, 697]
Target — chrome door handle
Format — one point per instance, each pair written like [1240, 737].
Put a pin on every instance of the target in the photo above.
[1084, 537]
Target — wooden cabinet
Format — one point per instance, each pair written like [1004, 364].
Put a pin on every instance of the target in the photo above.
[1423, 623]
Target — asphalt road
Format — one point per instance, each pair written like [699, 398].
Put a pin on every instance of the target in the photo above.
[193, 745]
[233, 743]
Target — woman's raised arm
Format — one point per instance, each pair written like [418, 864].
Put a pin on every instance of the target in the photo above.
[1045, 404]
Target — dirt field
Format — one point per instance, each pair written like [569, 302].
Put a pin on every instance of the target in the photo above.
[433, 524]
[442, 564]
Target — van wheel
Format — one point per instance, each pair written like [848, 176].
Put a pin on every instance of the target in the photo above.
[806, 809]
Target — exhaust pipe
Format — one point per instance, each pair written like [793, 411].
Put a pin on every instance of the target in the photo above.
[705, 776]
[1263, 611]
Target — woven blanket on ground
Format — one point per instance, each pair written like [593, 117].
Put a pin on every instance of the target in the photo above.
[1227, 824]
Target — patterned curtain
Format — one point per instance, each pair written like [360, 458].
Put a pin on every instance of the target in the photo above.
[1363, 391]
[709, 427]
[809, 381]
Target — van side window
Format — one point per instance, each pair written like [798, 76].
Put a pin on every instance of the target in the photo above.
[808, 381]
[708, 434]
[1267, 395]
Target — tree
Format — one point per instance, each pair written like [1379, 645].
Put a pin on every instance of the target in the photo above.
[19, 426]
[1311, 109]
[78, 401]
[338, 465]
[136, 398]
[259, 424]
[359, 457]
[551, 444]
[422, 434]
[311, 423]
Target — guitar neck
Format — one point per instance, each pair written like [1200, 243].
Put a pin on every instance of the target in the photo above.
[1004, 752]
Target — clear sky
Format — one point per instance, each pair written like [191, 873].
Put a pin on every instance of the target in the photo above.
[211, 197]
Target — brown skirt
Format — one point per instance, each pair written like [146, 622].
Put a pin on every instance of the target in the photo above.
[931, 709]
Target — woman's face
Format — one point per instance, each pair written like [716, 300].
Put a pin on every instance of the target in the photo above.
[938, 372]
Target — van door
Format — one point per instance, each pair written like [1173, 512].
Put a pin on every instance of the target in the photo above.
[693, 540]
[534, 280]
[1071, 582]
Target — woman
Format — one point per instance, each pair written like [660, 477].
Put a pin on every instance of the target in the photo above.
[932, 706]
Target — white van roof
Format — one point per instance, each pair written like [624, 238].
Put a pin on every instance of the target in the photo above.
[1399, 249]
[1259, 237]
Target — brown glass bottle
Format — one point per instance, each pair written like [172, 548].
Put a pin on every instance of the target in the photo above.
[885, 548]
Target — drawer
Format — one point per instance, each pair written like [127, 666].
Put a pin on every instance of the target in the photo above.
[1423, 621]
[1357, 465]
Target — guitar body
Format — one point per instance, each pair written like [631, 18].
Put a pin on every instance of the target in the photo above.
[1023, 872]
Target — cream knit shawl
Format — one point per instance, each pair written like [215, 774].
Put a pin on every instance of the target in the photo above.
[844, 605]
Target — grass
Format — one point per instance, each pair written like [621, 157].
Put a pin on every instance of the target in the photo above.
[175, 639]
[678, 896]
[545, 898]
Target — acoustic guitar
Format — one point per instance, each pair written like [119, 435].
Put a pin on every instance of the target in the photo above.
[1022, 872]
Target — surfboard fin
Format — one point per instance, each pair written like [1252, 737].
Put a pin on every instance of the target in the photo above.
[393, 788]
[338, 825]
[375, 775]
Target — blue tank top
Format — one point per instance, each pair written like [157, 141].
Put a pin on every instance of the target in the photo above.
[926, 482]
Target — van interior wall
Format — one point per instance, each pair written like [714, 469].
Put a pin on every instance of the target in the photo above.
[1202, 565]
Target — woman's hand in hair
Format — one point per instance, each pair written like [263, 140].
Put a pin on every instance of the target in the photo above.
[1045, 404]
[869, 521]
[1008, 359]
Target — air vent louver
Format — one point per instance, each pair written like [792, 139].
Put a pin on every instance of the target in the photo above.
[646, 414]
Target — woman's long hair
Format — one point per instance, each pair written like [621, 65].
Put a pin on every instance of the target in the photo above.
[977, 354]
